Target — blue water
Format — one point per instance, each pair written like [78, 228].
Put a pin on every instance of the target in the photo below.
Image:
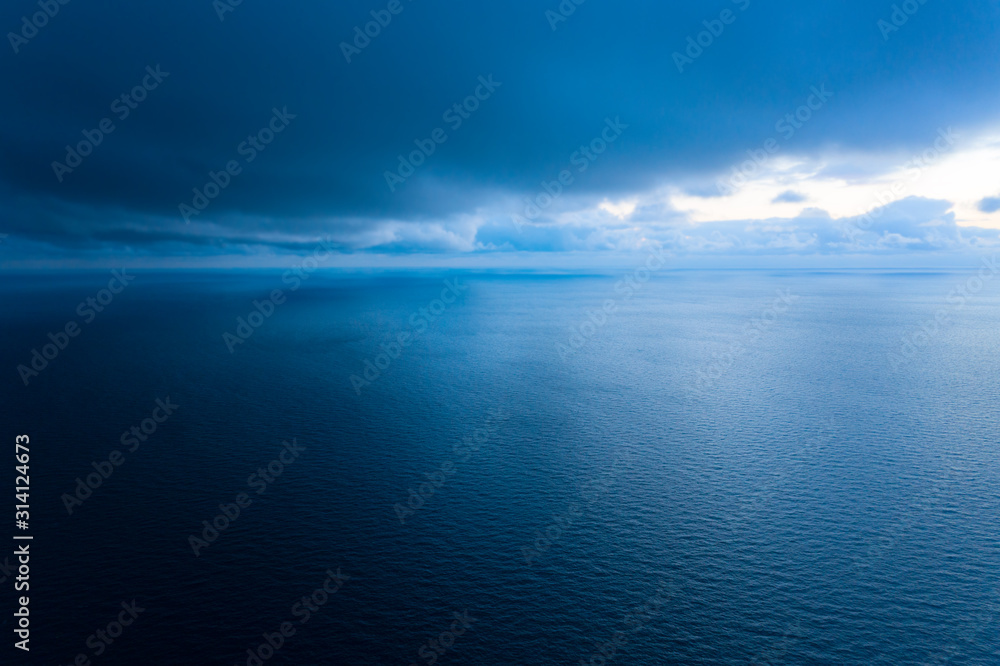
[714, 476]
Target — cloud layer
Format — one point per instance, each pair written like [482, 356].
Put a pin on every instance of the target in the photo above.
[474, 109]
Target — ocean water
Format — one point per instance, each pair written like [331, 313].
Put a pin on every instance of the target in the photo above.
[762, 467]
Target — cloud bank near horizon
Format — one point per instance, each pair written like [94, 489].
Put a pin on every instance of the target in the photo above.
[256, 131]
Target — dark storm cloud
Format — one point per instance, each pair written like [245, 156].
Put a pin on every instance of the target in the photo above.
[325, 172]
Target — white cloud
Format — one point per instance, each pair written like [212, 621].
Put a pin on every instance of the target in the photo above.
[621, 209]
[952, 168]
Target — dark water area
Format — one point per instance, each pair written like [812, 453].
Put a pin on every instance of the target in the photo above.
[703, 468]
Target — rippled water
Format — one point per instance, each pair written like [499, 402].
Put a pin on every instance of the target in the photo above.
[726, 468]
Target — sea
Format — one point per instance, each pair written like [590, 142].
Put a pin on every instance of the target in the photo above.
[605, 467]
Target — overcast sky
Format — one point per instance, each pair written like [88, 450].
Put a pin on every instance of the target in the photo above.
[781, 129]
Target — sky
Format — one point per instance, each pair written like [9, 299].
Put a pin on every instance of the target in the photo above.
[524, 134]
